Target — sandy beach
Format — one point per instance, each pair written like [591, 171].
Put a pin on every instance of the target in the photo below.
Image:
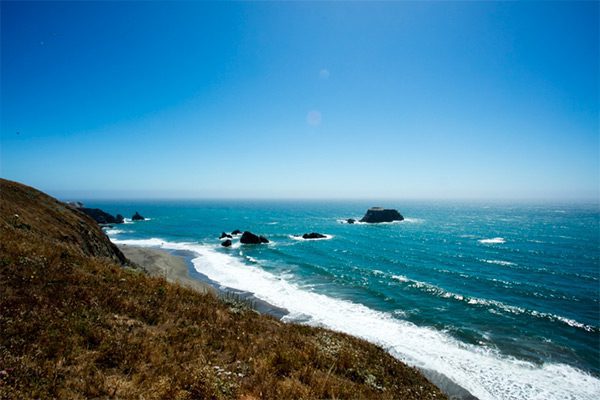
[162, 263]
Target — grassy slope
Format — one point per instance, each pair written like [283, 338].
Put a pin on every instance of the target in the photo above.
[75, 323]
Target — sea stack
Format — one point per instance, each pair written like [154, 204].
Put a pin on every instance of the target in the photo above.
[378, 214]
[137, 217]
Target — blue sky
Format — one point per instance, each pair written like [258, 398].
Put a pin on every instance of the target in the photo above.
[303, 100]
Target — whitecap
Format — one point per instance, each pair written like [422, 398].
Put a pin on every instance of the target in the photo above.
[496, 240]
[401, 278]
[498, 262]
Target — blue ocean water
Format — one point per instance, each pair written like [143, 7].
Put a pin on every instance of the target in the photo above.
[501, 298]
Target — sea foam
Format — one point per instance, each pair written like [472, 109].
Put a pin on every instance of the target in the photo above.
[484, 372]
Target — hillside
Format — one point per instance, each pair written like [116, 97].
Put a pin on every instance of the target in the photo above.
[77, 322]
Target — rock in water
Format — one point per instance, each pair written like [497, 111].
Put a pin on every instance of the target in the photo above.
[225, 235]
[226, 243]
[236, 232]
[377, 214]
[100, 216]
[350, 220]
[137, 217]
[120, 219]
[251, 238]
[313, 235]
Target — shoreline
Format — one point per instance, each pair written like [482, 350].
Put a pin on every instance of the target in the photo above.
[159, 262]
[176, 266]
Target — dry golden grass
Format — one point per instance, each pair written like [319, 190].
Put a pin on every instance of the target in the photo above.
[76, 322]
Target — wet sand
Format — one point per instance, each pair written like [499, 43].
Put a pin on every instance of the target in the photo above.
[162, 263]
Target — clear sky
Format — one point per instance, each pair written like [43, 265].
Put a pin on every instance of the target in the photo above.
[319, 100]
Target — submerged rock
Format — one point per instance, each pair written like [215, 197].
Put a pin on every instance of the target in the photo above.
[377, 214]
[251, 238]
[226, 243]
[225, 235]
[313, 235]
[137, 217]
[350, 220]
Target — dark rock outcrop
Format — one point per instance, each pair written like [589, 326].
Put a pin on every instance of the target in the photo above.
[377, 214]
[137, 217]
[226, 243]
[120, 219]
[225, 235]
[313, 235]
[251, 238]
[350, 220]
[100, 216]
[236, 232]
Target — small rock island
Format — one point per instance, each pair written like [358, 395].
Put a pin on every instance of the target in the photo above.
[137, 217]
[376, 215]
[314, 235]
[251, 238]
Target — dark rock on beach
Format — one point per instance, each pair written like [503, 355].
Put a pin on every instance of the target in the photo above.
[350, 220]
[313, 235]
[236, 232]
[225, 235]
[251, 238]
[137, 217]
[226, 243]
[377, 214]
[100, 216]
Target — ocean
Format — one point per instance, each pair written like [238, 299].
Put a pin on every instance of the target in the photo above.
[500, 298]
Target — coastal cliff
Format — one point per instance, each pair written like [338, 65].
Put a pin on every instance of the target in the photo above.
[78, 321]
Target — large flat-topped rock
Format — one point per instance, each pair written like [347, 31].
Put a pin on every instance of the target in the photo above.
[378, 214]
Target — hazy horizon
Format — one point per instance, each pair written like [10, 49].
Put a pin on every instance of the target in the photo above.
[442, 100]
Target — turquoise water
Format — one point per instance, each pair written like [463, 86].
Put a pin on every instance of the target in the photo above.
[503, 299]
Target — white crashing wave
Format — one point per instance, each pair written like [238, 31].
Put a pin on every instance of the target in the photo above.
[496, 240]
[494, 305]
[413, 220]
[356, 221]
[112, 232]
[484, 372]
